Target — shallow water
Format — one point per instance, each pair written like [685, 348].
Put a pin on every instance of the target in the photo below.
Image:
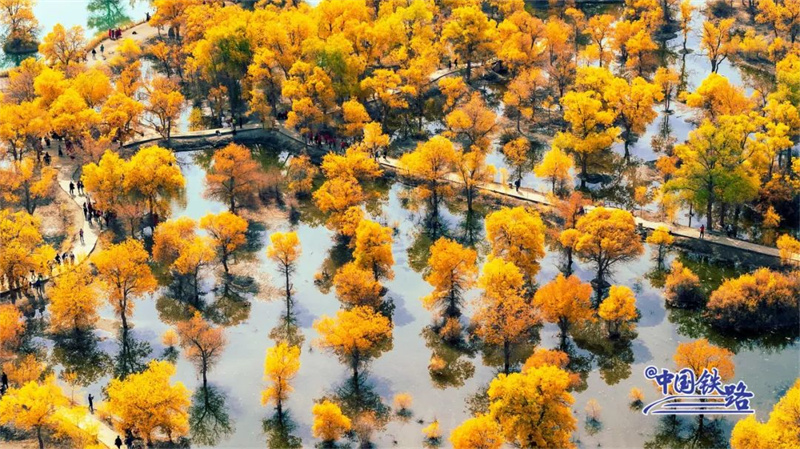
[767, 370]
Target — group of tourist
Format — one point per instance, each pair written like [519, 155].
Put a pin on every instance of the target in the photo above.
[92, 213]
[114, 34]
[322, 139]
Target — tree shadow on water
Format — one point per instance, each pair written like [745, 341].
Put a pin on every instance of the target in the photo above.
[683, 432]
[133, 355]
[279, 432]
[209, 418]
[79, 353]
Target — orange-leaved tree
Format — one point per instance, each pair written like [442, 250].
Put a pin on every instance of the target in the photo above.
[503, 316]
[124, 275]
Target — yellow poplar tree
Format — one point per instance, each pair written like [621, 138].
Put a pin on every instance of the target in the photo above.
[555, 166]
[33, 406]
[607, 237]
[228, 232]
[73, 301]
[533, 407]
[517, 235]
[153, 175]
[329, 422]
[124, 275]
[480, 432]
[284, 251]
[202, 343]
[565, 301]
[356, 336]
[780, 430]
[234, 176]
[452, 271]
[618, 309]
[280, 367]
[503, 316]
[148, 403]
[373, 249]
[355, 286]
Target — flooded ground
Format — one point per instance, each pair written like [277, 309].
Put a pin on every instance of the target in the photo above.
[611, 371]
[768, 366]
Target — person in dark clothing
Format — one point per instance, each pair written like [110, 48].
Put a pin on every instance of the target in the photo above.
[147, 16]
[91, 404]
[47, 158]
[118, 442]
[4, 380]
[129, 441]
[702, 231]
[58, 259]
[71, 188]
[80, 234]
[517, 183]
[94, 54]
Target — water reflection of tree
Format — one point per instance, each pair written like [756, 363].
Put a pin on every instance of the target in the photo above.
[209, 419]
[471, 228]
[80, 354]
[494, 356]
[614, 357]
[287, 331]
[133, 355]
[692, 324]
[673, 432]
[279, 432]
[580, 364]
[362, 405]
[453, 369]
[230, 307]
[106, 14]
[419, 251]
[338, 255]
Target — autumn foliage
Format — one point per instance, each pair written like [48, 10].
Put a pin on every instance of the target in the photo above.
[762, 300]
[149, 403]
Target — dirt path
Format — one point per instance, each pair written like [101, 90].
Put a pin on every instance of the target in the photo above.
[139, 33]
[81, 249]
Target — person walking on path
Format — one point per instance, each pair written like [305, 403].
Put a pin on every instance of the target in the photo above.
[517, 183]
[94, 54]
[4, 380]
[91, 404]
[102, 48]
[85, 211]
[71, 188]
[702, 231]
[118, 442]
[80, 233]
